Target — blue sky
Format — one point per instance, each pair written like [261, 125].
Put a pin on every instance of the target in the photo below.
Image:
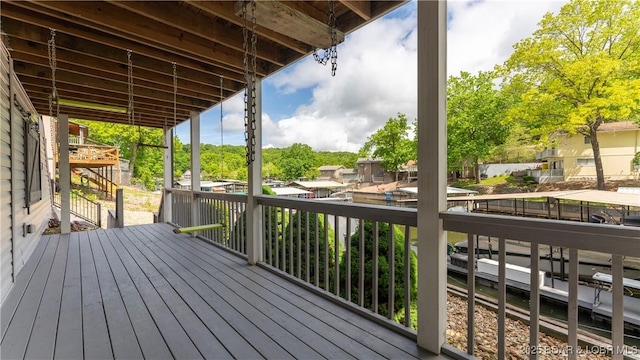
[375, 79]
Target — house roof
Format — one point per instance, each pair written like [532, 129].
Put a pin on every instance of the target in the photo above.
[284, 191]
[204, 39]
[369, 160]
[618, 126]
[330, 167]
[349, 171]
[318, 184]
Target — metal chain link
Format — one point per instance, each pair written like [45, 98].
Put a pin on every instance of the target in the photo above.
[53, 64]
[330, 53]
[175, 94]
[250, 81]
[130, 85]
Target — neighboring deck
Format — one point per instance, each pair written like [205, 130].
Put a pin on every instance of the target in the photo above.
[143, 291]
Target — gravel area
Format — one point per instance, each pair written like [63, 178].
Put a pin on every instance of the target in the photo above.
[486, 330]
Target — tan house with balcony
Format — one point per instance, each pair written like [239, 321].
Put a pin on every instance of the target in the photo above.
[572, 157]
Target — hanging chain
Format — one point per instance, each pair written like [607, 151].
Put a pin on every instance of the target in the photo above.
[249, 80]
[53, 63]
[330, 53]
[175, 95]
[130, 84]
[221, 134]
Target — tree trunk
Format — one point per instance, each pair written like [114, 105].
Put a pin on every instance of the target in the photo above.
[126, 180]
[595, 146]
[477, 171]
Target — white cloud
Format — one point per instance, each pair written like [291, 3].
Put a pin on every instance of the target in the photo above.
[376, 75]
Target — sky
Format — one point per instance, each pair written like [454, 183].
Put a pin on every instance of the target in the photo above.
[375, 79]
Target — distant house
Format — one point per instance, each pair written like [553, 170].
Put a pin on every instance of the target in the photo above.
[349, 176]
[370, 170]
[292, 192]
[318, 189]
[331, 172]
[186, 175]
[572, 157]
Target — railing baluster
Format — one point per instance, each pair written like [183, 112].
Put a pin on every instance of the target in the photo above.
[534, 301]
[502, 298]
[572, 310]
[471, 293]
[283, 257]
[336, 255]
[361, 270]
[326, 252]
[299, 245]
[290, 264]
[407, 276]
[316, 255]
[307, 266]
[347, 244]
[617, 305]
[269, 255]
[391, 260]
[376, 242]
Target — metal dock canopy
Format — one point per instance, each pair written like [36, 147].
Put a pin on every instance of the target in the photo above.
[591, 196]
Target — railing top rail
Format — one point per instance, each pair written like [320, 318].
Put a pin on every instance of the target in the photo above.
[395, 215]
[605, 238]
[100, 146]
[221, 196]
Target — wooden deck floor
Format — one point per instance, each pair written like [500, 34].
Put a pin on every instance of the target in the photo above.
[143, 292]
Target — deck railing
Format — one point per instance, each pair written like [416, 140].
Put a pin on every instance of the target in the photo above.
[83, 208]
[618, 241]
[84, 152]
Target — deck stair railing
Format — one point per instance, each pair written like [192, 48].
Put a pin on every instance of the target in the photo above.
[82, 207]
[620, 243]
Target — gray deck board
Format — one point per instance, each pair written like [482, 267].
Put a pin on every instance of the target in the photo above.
[95, 334]
[144, 292]
[14, 343]
[124, 342]
[43, 335]
[151, 342]
[69, 343]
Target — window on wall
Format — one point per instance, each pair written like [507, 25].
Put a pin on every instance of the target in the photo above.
[33, 181]
[586, 162]
[587, 140]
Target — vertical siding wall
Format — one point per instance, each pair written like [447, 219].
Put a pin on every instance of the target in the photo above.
[6, 251]
[17, 246]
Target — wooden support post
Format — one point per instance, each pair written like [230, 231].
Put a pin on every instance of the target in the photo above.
[168, 173]
[432, 194]
[119, 208]
[254, 221]
[195, 168]
[65, 174]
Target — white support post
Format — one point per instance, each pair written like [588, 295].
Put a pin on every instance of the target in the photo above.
[254, 220]
[432, 181]
[168, 173]
[195, 168]
[65, 174]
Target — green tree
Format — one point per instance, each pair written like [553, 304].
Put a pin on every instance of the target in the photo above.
[391, 143]
[475, 119]
[580, 69]
[383, 268]
[297, 161]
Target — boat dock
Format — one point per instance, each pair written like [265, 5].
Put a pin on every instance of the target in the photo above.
[600, 309]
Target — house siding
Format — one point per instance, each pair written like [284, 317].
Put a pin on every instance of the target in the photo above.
[617, 149]
[17, 246]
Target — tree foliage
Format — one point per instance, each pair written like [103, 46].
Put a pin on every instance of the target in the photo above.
[383, 268]
[298, 161]
[475, 119]
[580, 69]
[391, 143]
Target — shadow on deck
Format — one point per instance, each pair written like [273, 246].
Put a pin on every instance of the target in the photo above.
[142, 291]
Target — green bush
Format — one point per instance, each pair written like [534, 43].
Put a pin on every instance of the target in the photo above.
[383, 269]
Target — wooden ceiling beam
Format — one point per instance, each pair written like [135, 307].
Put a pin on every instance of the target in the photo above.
[67, 77]
[225, 10]
[362, 8]
[24, 36]
[280, 17]
[183, 18]
[111, 19]
[28, 51]
[42, 94]
[120, 78]
[24, 13]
